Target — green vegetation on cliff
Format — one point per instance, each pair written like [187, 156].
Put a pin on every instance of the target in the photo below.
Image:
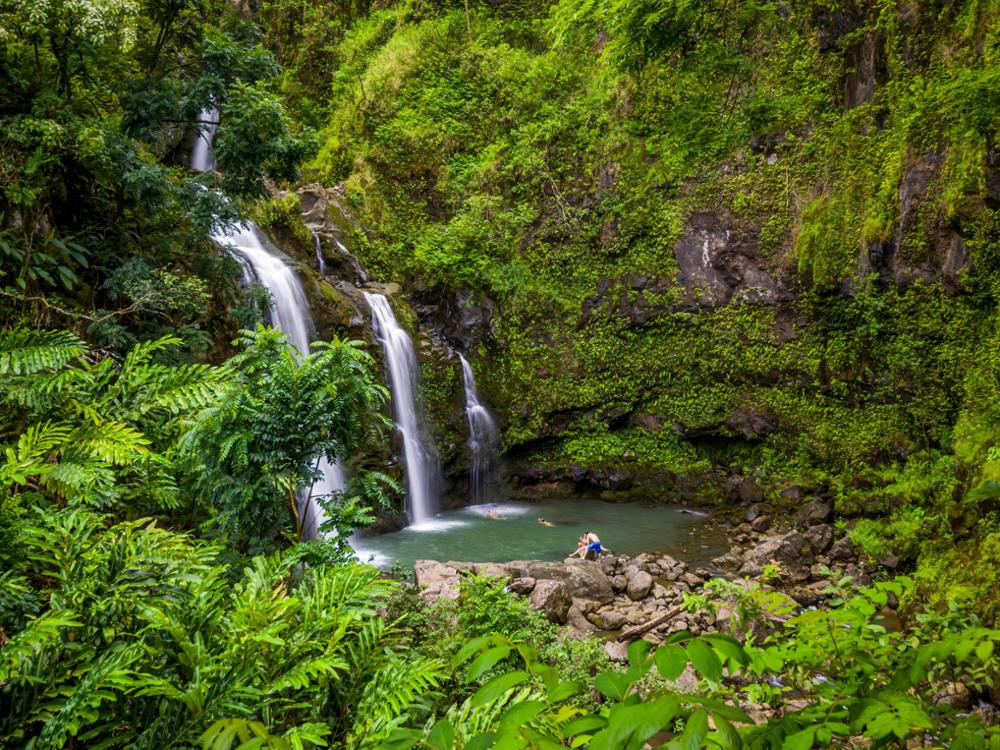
[704, 250]
[750, 239]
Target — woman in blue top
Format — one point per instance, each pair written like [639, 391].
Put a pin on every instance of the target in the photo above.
[589, 547]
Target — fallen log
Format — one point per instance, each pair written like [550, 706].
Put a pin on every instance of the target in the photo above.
[630, 634]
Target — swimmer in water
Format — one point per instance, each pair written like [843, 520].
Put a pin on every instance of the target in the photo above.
[493, 515]
[544, 522]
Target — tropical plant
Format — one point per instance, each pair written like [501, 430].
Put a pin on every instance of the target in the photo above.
[831, 674]
[88, 428]
[252, 453]
[146, 641]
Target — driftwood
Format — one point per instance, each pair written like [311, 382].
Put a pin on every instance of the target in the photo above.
[630, 634]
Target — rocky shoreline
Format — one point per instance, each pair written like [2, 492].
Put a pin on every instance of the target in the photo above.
[622, 597]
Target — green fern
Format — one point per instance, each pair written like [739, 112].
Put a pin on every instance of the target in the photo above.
[27, 352]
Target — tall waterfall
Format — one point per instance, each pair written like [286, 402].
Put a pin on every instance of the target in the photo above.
[289, 313]
[202, 158]
[401, 366]
[484, 437]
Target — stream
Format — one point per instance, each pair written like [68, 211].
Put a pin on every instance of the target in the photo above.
[469, 534]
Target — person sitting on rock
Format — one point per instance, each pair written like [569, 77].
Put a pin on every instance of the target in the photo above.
[589, 547]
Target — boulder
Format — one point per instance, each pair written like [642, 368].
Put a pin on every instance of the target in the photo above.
[552, 598]
[618, 584]
[842, 550]
[791, 551]
[761, 524]
[819, 537]
[616, 650]
[586, 606]
[639, 583]
[584, 579]
[692, 580]
[522, 586]
[607, 619]
[579, 626]
[429, 572]
[814, 513]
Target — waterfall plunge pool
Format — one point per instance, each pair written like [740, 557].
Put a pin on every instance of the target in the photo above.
[470, 535]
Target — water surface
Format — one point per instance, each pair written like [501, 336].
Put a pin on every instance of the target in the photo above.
[469, 535]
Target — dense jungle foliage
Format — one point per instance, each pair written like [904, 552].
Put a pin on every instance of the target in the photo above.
[717, 239]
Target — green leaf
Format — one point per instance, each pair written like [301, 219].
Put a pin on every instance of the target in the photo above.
[520, 713]
[613, 685]
[563, 690]
[585, 724]
[695, 731]
[729, 647]
[705, 660]
[637, 652]
[802, 740]
[442, 735]
[486, 661]
[717, 707]
[671, 661]
[497, 687]
[400, 739]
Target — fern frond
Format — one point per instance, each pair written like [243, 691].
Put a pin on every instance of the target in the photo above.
[36, 637]
[25, 352]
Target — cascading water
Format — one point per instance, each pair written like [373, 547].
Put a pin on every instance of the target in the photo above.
[401, 366]
[484, 437]
[289, 313]
[318, 246]
[202, 158]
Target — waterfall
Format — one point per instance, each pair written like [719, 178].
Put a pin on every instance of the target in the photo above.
[484, 437]
[289, 313]
[318, 246]
[202, 158]
[401, 367]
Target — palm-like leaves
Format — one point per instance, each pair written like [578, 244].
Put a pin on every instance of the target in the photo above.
[146, 644]
[96, 428]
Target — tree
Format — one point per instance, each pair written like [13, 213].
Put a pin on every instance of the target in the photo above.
[252, 453]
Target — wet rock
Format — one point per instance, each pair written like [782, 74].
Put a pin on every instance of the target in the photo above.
[814, 513]
[579, 626]
[692, 580]
[955, 695]
[761, 524]
[584, 579]
[842, 550]
[720, 260]
[753, 513]
[607, 619]
[753, 424]
[792, 492]
[616, 651]
[552, 598]
[809, 595]
[728, 561]
[522, 586]
[819, 537]
[638, 584]
[861, 578]
[791, 551]
[890, 562]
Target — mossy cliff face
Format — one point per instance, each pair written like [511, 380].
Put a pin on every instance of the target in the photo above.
[705, 249]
